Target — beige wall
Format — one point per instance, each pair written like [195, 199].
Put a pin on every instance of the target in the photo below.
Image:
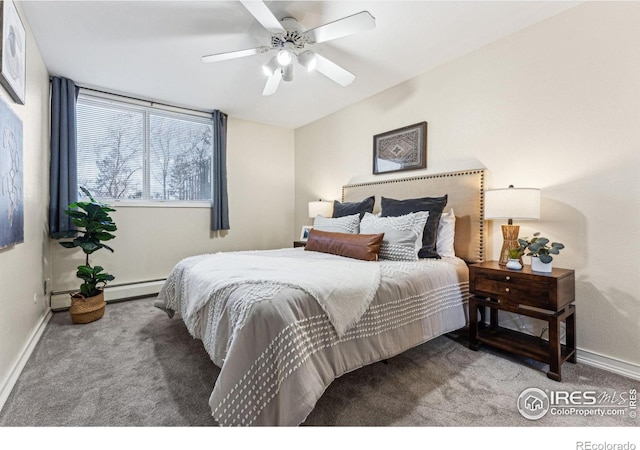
[555, 106]
[23, 267]
[150, 241]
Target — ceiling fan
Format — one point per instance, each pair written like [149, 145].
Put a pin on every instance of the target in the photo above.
[290, 41]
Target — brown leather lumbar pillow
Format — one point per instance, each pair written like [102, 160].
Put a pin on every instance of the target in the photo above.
[358, 246]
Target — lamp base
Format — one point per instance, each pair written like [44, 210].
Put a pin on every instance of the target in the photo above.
[510, 240]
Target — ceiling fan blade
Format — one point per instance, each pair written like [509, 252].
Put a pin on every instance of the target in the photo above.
[233, 55]
[272, 83]
[333, 71]
[264, 15]
[346, 26]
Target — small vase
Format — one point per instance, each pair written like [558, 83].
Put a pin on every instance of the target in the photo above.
[514, 264]
[539, 266]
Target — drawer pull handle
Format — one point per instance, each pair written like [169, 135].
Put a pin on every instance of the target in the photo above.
[508, 278]
[506, 289]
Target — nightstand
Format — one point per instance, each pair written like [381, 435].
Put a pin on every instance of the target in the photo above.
[545, 296]
[299, 243]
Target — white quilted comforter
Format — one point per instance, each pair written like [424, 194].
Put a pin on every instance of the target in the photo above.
[283, 324]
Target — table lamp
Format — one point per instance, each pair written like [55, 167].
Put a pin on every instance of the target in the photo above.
[508, 204]
[320, 208]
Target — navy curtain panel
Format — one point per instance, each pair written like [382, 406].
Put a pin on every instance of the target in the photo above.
[219, 201]
[63, 180]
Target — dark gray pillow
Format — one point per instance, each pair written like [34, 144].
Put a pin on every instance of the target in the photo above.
[350, 208]
[435, 205]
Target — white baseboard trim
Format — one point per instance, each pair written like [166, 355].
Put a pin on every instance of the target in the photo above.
[624, 368]
[111, 293]
[16, 370]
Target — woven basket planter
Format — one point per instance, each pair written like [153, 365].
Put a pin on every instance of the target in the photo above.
[85, 310]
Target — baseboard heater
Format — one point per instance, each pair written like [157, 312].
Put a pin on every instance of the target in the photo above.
[116, 292]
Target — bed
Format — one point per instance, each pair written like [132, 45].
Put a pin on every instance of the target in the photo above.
[281, 332]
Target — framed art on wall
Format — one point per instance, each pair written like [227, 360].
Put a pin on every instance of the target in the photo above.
[11, 178]
[13, 52]
[304, 233]
[401, 149]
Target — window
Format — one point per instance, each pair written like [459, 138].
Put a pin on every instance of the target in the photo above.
[131, 151]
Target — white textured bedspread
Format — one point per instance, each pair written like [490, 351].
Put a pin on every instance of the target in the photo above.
[283, 324]
[343, 288]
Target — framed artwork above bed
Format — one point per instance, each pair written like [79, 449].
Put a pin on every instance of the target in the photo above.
[401, 149]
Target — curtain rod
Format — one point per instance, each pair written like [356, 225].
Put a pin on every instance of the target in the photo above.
[141, 99]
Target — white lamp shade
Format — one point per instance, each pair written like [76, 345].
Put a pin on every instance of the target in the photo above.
[285, 55]
[320, 208]
[308, 60]
[512, 203]
[271, 67]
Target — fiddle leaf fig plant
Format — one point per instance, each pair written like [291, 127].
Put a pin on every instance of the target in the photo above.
[94, 226]
[540, 247]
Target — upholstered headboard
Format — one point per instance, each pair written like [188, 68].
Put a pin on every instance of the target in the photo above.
[465, 190]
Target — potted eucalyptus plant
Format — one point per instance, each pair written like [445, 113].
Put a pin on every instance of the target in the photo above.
[541, 250]
[94, 227]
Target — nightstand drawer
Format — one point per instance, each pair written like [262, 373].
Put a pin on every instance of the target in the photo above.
[551, 291]
[511, 289]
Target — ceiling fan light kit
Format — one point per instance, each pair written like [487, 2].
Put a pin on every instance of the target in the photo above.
[289, 39]
[285, 54]
[287, 72]
[308, 60]
[270, 67]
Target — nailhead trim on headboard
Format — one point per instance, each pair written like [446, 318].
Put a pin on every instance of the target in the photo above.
[480, 188]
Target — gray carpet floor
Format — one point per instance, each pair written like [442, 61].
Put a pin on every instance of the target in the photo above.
[137, 368]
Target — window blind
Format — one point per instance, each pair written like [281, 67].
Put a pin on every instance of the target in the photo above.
[132, 151]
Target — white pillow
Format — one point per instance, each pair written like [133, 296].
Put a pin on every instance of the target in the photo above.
[446, 233]
[344, 224]
[402, 234]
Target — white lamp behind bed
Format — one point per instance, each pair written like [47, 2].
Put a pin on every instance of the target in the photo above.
[511, 203]
[320, 208]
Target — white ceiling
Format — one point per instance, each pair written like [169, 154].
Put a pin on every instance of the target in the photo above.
[152, 49]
